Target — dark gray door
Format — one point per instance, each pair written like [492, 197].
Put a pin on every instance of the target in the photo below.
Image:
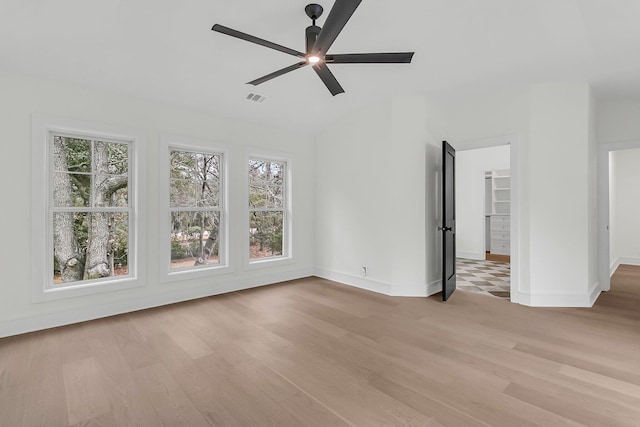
[448, 220]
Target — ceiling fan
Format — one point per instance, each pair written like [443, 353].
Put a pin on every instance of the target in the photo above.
[318, 42]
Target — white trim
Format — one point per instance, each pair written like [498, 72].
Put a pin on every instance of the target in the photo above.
[420, 290]
[384, 288]
[628, 261]
[614, 267]
[269, 262]
[41, 127]
[562, 300]
[514, 163]
[594, 293]
[287, 239]
[38, 322]
[355, 281]
[170, 142]
[604, 256]
[623, 260]
[471, 255]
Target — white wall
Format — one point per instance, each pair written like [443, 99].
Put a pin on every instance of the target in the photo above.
[415, 245]
[559, 191]
[375, 204]
[618, 120]
[22, 96]
[353, 190]
[471, 166]
[624, 203]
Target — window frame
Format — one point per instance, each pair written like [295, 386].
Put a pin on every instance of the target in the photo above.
[287, 226]
[42, 209]
[182, 143]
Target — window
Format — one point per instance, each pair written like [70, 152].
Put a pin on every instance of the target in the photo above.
[268, 209]
[196, 205]
[84, 208]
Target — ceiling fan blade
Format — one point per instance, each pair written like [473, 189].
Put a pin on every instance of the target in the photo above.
[340, 13]
[370, 58]
[328, 78]
[275, 74]
[240, 35]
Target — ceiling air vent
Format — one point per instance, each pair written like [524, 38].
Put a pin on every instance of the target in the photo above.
[254, 97]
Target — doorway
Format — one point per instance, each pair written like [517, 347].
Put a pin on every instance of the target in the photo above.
[619, 208]
[486, 224]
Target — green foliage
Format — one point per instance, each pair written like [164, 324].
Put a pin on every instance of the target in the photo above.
[179, 250]
[268, 228]
[78, 154]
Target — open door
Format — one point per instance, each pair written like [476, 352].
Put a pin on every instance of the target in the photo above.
[448, 220]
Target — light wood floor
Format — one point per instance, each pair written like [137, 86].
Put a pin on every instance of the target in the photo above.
[315, 353]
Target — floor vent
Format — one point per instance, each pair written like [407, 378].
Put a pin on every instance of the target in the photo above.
[254, 97]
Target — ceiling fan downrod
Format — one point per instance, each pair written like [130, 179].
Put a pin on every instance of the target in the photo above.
[314, 11]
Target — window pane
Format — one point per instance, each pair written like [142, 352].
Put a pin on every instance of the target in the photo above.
[194, 239]
[208, 194]
[208, 166]
[111, 158]
[183, 193]
[111, 190]
[71, 190]
[89, 246]
[72, 154]
[265, 234]
[183, 165]
[195, 179]
[266, 184]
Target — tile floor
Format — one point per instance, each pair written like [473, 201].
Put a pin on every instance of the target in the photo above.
[484, 277]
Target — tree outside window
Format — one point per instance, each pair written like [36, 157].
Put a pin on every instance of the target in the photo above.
[195, 205]
[90, 209]
[267, 208]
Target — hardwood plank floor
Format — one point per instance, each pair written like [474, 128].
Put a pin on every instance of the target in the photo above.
[315, 353]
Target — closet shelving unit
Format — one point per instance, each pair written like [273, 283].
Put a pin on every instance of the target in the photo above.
[500, 222]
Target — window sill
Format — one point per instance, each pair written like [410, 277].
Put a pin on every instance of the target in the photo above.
[86, 289]
[188, 274]
[268, 262]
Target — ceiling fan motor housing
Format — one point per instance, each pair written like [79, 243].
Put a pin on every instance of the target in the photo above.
[311, 35]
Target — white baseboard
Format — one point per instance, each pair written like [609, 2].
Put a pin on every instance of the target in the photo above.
[418, 290]
[355, 281]
[471, 255]
[424, 290]
[76, 315]
[623, 260]
[561, 300]
[596, 290]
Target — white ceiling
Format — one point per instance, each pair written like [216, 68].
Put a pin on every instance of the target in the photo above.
[165, 51]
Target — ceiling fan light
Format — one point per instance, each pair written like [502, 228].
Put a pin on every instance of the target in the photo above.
[314, 59]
